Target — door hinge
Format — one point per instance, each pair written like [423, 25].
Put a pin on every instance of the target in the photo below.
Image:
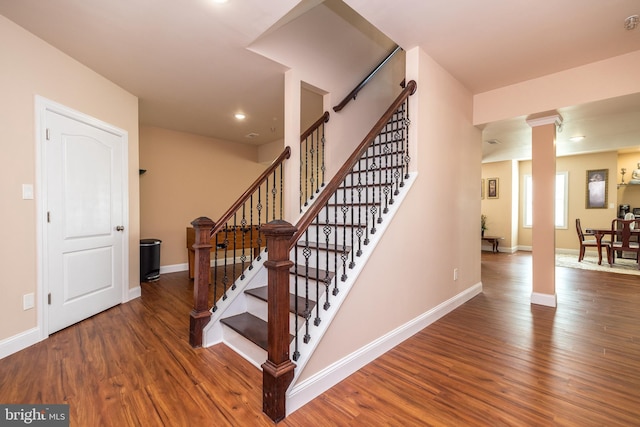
[48, 216]
[48, 134]
[49, 298]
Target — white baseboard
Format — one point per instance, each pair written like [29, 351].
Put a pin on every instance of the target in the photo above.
[173, 268]
[307, 390]
[550, 300]
[134, 293]
[19, 342]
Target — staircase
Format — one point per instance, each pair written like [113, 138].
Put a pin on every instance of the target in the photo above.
[328, 252]
[316, 262]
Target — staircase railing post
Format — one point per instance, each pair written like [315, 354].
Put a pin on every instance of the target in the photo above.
[200, 315]
[277, 371]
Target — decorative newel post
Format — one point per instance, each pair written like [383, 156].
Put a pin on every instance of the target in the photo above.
[200, 314]
[277, 371]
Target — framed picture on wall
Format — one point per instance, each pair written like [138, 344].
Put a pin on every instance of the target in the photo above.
[482, 188]
[492, 188]
[597, 189]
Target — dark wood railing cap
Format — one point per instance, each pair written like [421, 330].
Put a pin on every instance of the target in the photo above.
[202, 221]
[323, 119]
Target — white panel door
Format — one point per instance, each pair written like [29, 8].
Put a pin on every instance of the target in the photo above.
[84, 236]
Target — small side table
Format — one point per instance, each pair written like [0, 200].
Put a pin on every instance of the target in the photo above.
[495, 242]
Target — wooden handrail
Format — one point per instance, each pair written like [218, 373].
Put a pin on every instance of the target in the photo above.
[286, 153]
[333, 185]
[354, 92]
[314, 126]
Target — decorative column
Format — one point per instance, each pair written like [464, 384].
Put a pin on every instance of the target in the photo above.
[277, 371]
[543, 165]
[200, 315]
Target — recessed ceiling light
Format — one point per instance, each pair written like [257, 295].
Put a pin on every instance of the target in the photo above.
[240, 116]
[576, 138]
[220, 1]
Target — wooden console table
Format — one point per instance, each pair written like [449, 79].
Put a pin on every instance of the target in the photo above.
[494, 240]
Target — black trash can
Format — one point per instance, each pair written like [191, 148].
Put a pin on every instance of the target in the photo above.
[149, 260]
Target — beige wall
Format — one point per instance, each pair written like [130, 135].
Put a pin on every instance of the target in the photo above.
[500, 221]
[627, 194]
[188, 176]
[32, 67]
[411, 270]
[577, 167]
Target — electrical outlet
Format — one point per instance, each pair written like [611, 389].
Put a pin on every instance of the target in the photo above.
[28, 301]
[455, 274]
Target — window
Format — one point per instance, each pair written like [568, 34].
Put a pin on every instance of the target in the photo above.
[561, 202]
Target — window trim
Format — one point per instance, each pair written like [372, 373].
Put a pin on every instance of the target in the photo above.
[527, 222]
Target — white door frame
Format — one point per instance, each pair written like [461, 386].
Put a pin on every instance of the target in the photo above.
[42, 105]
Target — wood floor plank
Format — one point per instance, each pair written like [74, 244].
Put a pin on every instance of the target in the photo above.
[495, 361]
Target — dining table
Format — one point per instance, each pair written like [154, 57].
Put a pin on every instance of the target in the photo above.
[599, 233]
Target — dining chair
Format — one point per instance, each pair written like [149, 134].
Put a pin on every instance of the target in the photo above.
[623, 230]
[590, 242]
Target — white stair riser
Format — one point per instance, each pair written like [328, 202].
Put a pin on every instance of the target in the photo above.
[260, 309]
[339, 234]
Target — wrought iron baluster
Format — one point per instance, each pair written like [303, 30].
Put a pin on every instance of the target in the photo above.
[306, 171]
[225, 277]
[215, 274]
[323, 168]
[374, 206]
[296, 351]
[281, 190]
[306, 252]
[259, 209]
[380, 180]
[344, 255]
[312, 180]
[397, 161]
[352, 264]
[367, 190]
[327, 271]
[274, 192]
[303, 200]
[243, 257]
[405, 138]
[359, 231]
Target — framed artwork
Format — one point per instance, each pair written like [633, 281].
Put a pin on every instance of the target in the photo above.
[492, 188]
[482, 189]
[597, 189]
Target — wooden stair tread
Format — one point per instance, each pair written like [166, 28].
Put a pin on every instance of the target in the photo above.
[332, 247]
[262, 294]
[315, 274]
[251, 327]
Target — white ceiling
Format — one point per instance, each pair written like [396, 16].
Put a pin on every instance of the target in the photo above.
[188, 61]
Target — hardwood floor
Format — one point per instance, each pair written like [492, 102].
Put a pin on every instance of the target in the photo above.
[495, 361]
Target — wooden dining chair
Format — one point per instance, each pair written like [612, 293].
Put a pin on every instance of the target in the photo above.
[587, 240]
[623, 230]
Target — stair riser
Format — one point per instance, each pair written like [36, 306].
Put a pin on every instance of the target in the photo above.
[321, 262]
[313, 287]
[338, 235]
[372, 177]
[260, 309]
[355, 214]
[368, 194]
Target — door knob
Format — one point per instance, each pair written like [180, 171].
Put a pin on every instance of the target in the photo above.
[120, 228]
